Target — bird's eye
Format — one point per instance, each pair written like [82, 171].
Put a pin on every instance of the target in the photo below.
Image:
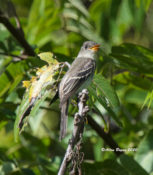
[86, 46]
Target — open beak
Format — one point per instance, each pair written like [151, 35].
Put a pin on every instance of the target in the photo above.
[95, 47]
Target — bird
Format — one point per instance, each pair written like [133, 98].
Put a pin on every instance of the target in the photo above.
[78, 77]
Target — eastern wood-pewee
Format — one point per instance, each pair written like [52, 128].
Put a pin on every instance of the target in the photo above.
[77, 77]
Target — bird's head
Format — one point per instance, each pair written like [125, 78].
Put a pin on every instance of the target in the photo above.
[89, 49]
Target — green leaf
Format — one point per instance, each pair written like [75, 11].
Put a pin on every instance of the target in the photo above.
[106, 90]
[24, 106]
[145, 3]
[106, 96]
[71, 13]
[27, 171]
[38, 88]
[7, 168]
[42, 22]
[21, 109]
[148, 100]
[4, 33]
[7, 111]
[144, 154]
[108, 167]
[133, 79]
[103, 102]
[134, 58]
[79, 5]
[12, 76]
[77, 27]
[136, 96]
[131, 165]
[36, 107]
[14, 73]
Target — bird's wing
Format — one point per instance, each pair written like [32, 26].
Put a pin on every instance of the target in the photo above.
[76, 76]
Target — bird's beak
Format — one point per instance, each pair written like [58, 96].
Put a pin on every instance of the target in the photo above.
[95, 47]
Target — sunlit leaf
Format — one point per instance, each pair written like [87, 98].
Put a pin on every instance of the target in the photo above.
[144, 154]
[79, 5]
[104, 103]
[131, 165]
[48, 57]
[42, 22]
[107, 90]
[106, 96]
[148, 100]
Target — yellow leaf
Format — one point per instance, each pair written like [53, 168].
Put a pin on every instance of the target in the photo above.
[33, 79]
[41, 70]
[48, 57]
[26, 84]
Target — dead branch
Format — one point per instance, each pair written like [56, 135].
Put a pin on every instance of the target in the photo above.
[73, 154]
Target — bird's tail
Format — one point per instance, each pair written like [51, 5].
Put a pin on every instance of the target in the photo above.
[64, 116]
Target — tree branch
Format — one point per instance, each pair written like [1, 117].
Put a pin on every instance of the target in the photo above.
[17, 34]
[14, 56]
[11, 8]
[105, 136]
[71, 155]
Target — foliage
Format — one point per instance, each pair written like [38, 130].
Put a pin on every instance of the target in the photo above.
[121, 93]
[37, 90]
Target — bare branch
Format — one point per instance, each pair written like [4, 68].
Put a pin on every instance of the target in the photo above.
[18, 35]
[105, 136]
[16, 57]
[73, 153]
[18, 24]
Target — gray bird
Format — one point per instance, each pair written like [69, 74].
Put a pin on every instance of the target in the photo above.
[79, 76]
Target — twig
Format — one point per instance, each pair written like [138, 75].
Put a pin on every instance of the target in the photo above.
[105, 136]
[17, 20]
[14, 56]
[15, 32]
[71, 155]
[18, 24]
